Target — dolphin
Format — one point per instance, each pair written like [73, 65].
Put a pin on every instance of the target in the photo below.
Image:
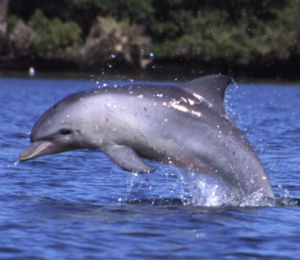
[185, 125]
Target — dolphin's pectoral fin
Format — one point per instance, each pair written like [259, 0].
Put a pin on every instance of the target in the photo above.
[126, 158]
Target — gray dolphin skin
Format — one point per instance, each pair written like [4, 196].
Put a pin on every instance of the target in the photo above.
[185, 125]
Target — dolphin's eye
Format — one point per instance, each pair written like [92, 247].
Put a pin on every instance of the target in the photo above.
[65, 131]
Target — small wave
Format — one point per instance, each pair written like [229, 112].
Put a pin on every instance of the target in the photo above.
[246, 203]
[287, 202]
[158, 202]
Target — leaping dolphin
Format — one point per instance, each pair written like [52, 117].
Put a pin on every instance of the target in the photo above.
[184, 125]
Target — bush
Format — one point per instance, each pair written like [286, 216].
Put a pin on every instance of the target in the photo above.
[233, 36]
[114, 41]
[54, 38]
[21, 39]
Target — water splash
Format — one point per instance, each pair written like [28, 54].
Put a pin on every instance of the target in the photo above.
[256, 199]
[14, 164]
[202, 190]
[234, 83]
[138, 186]
[205, 191]
[194, 189]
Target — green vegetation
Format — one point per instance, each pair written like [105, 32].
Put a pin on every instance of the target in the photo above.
[53, 37]
[89, 33]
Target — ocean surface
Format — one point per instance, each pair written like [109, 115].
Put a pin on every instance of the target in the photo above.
[79, 205]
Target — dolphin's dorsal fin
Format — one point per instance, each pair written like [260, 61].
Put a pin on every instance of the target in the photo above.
[210, 89]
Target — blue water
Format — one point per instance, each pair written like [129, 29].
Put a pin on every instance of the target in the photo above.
[79, 205]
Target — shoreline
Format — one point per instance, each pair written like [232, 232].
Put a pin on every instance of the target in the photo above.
[181, 68]
[144, 76]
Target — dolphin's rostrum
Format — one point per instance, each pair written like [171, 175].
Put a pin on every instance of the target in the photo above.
[184, 125]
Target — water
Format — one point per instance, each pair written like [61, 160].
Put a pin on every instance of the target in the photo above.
[78, 205]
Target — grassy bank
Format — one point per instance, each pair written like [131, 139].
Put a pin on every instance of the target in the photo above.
[256, 39]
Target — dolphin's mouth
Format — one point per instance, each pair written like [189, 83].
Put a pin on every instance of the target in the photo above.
[40, 148]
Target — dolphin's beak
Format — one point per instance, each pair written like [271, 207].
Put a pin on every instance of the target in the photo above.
[39, 148]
